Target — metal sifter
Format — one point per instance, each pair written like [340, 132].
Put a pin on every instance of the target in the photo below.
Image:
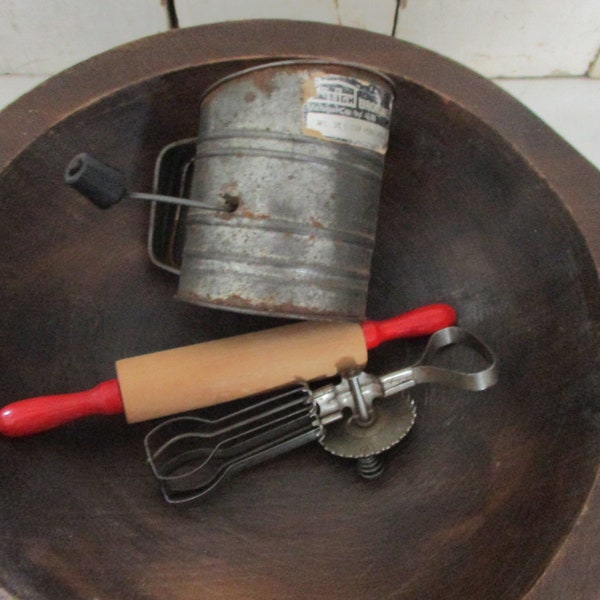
[280, 191]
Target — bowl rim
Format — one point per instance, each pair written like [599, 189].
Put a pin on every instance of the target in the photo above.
[574, 180]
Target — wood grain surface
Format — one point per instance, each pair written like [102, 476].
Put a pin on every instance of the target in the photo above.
[492, 495]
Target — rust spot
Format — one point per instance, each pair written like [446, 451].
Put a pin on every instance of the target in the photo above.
[315, 223]
[284, 309]
[263, 81]
[250, 97]
[270, 307]
[225, 216]
[309, 89]
[240, 211]
[249, 214]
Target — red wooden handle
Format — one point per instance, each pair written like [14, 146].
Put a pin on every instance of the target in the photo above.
[45, 412]
[420, 321]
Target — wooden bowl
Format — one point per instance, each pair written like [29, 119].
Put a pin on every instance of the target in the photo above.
[492, 495]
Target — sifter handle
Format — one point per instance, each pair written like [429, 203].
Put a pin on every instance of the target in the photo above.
[424, 320]
[35, 415]
[100, 183]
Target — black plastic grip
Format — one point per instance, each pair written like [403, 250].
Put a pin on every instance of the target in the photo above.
[103, 185]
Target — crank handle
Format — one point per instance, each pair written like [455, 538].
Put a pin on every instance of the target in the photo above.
[105, 186]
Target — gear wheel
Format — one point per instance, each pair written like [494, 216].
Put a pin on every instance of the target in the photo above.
[393, 420]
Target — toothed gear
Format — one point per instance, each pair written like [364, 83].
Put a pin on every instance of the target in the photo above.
[394, 418]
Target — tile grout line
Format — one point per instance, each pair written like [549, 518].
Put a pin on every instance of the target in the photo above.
[172, 14]
[594, 69]
[396, 17]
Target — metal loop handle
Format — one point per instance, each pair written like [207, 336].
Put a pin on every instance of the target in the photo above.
[425, 372]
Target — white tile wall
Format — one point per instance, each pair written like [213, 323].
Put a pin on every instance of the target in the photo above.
[595, 68]
[511, 38]
[571, 106]
[374, 15]
[13, 86]
[46, 36]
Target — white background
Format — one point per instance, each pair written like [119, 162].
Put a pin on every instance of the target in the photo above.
[545, 52]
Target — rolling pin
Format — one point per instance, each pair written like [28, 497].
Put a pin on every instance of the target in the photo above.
[181, 379]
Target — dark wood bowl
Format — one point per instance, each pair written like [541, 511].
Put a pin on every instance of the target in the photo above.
[492, 495]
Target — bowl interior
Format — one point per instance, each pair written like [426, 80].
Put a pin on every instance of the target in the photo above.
[472, 504]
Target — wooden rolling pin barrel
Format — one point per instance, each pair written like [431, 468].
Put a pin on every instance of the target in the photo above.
[190, 377]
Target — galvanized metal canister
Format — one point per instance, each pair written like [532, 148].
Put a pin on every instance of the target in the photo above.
[298, 148]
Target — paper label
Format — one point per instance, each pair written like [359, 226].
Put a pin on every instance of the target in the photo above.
[348, 110]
